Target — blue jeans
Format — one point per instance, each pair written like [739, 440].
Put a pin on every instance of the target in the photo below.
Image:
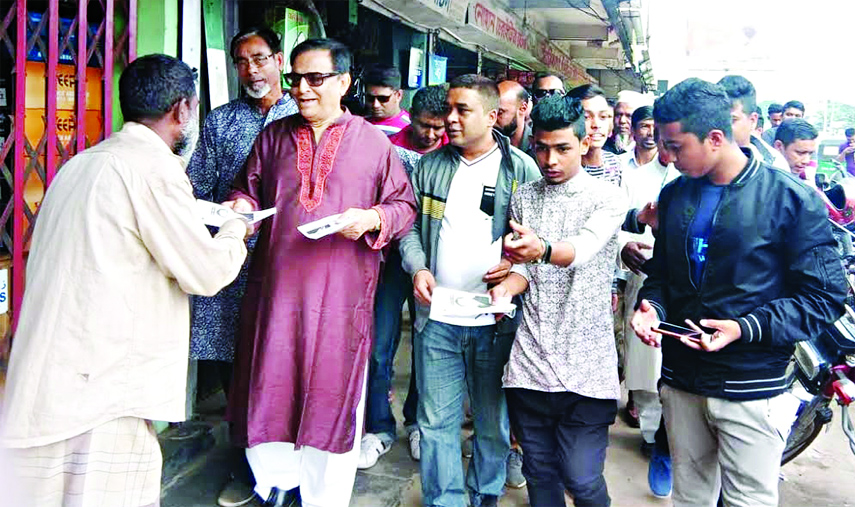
[450, 359]
[394, 288]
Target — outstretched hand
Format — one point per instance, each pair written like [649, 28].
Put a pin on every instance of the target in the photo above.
[524, 246]
[240, 205]
[643, 322]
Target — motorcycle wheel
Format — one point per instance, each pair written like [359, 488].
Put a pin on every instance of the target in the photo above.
[797, 443]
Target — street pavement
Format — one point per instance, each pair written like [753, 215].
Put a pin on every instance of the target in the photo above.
[823, 476]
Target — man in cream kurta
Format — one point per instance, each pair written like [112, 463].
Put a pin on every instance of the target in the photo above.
[643, 363]
[102, 342]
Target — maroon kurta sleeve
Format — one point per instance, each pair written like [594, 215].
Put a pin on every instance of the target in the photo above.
[247, 182]
[396, 202]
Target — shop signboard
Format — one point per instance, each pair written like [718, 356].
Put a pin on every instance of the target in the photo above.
[416, 64]
[550, 55]
[491, 19]
[454, 10]
[438, 69]
[498, 23]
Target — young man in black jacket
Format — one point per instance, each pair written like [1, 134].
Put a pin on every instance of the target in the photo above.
[745, 251]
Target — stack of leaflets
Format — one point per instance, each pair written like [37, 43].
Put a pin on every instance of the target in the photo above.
[454, 303]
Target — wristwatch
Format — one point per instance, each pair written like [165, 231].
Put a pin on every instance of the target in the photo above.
[547, 252]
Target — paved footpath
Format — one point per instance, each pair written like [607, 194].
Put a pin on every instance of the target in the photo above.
[823, 476]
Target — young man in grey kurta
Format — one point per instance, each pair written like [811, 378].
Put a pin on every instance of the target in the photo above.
[561, 380]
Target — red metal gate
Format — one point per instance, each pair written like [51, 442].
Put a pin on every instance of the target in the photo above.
[87, 34]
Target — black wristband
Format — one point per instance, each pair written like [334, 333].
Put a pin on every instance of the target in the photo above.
[547, 254]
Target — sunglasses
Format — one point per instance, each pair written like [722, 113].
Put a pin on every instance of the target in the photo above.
[543, 93]
[369, 99]
[293, 79]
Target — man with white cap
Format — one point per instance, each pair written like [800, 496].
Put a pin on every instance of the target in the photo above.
[621, 140]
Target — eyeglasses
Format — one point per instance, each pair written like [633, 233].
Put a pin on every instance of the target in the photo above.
[258, 60]
[543, 93]
[369, 99]
[313, 78]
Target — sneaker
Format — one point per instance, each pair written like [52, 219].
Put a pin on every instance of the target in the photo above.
[235, 494]
[659, 475]
[468, 446]
[515, 478]
[370, 449]
[415, 444]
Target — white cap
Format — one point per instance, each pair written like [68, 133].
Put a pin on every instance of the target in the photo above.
[634, 99]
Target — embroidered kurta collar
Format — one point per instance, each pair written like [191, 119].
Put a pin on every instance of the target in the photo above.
[313, 169]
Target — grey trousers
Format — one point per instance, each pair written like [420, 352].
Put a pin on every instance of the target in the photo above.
[730, 446]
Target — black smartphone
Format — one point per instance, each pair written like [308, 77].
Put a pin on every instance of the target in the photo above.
[676, 331]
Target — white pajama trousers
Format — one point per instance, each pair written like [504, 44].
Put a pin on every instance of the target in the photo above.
[649, 413]
[325, 478]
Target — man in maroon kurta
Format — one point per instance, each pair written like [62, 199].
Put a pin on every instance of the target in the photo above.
[307, 317]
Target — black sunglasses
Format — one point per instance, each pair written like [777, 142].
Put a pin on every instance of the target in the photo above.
[369, 99]
[313, 78]
[543, 93]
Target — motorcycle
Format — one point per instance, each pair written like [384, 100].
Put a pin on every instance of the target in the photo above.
[823, 369]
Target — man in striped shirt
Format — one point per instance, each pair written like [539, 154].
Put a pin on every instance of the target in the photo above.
[383, 96]
[597, 162]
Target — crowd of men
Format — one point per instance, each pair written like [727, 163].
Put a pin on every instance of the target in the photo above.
[598, 220]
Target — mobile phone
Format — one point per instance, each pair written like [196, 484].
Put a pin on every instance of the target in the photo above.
[676, 331]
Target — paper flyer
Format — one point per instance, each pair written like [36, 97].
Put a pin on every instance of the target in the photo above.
[324, 227]
[216, 215]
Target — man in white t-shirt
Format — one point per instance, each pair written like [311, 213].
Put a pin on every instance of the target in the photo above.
[645, 150]
[464, 189]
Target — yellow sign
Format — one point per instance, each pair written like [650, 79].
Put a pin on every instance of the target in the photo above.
[66, 87]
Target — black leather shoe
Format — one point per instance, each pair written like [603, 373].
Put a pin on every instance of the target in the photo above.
[282, 498]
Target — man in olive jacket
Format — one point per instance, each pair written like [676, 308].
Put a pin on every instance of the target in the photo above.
[464, 190]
